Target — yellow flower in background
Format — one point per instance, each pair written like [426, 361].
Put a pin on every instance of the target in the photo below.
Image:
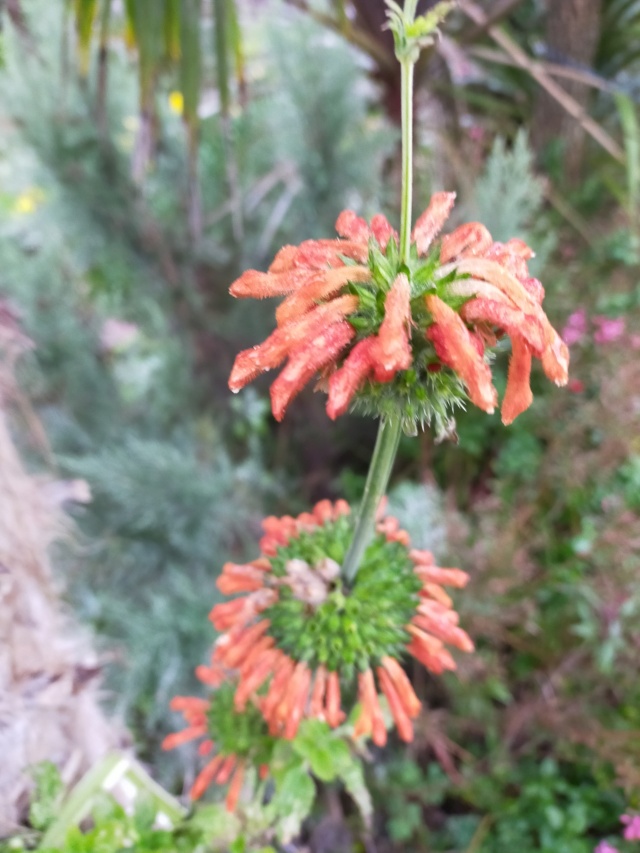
[176, 102]
[28, 201]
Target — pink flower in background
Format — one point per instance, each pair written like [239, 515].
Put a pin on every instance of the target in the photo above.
[576, 386]
[605, 847]
[118, 335]
[632, 824]
[608, 329]
[634, 341]
[576, 328]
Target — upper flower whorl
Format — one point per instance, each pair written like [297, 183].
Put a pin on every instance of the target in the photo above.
[378, 330]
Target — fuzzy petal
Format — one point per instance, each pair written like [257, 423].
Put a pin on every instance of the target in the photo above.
[455, 348]
[518, 396]
[224, 773]
[210, 675]
[227, 613]
[333, 712]
[317, 255]
[393, 346]
[498, 276]
[236, 578]
[468, 240]
[284, 259]
[179, 738]
[189, 703]
[281, 674]
[253, 284]
[235, 787]
[321, 286]
[534, 288]
[398, 711]
[444, 577]
[443, 630]
[435, 592]
[344, 383]
[323, 511]
[252, 680]
[270, 353]
[305, 361]
[403, 686]
[316, 707]
[300, 684]
[512, 320]
[205, 777]
[233, 653]
[205, 748]
[555, 360]
[371, 706]
[429, 651]
[382, 230]
[352, 227]
[430, 223]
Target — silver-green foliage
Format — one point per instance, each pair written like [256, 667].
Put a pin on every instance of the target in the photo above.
[509, 196]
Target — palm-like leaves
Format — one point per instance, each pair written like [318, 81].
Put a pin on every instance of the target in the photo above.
[167, 37]
[619, 47]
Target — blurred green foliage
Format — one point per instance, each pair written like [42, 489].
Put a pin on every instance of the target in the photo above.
[535, 744]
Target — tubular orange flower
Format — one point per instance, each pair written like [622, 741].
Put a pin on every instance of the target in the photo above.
[398, 711]
[230, 740]
[298, 640]
[380, 331]
[455, 347]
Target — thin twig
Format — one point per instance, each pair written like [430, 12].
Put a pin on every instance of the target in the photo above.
[541, 76]
[494, 16]
[588, 78]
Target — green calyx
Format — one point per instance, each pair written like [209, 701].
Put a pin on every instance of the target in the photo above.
[427, 393]
[353, 628]
[244, 733]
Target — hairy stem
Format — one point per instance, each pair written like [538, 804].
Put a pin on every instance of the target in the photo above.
[407, 159]
[382, 461]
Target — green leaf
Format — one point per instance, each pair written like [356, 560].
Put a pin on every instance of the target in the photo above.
[190, 59]
[353, 777]
[293, 801]
[85, 11]
[428, 23]
[631, 131]
[46, 800]
[214, 821]
[221, 46]
[313, 743]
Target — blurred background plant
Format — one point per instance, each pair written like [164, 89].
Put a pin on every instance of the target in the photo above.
[149, 151]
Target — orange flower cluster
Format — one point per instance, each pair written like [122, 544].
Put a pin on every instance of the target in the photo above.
[289, 689]
[312, 330]
[220, 768]
[315, 336]
[503, 299]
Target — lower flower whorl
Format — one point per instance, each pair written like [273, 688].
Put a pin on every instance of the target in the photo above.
[299, 639]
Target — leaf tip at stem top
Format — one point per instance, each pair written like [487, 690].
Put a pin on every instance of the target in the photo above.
[412, 34]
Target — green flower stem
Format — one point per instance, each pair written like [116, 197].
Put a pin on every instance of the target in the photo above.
[382, 461]
[407, 158]
[388, 439]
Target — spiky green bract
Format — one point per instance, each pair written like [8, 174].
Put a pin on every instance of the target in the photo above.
[243, 734]
[354, 627]
[428, 392]
[421, 396]
[412, 34]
